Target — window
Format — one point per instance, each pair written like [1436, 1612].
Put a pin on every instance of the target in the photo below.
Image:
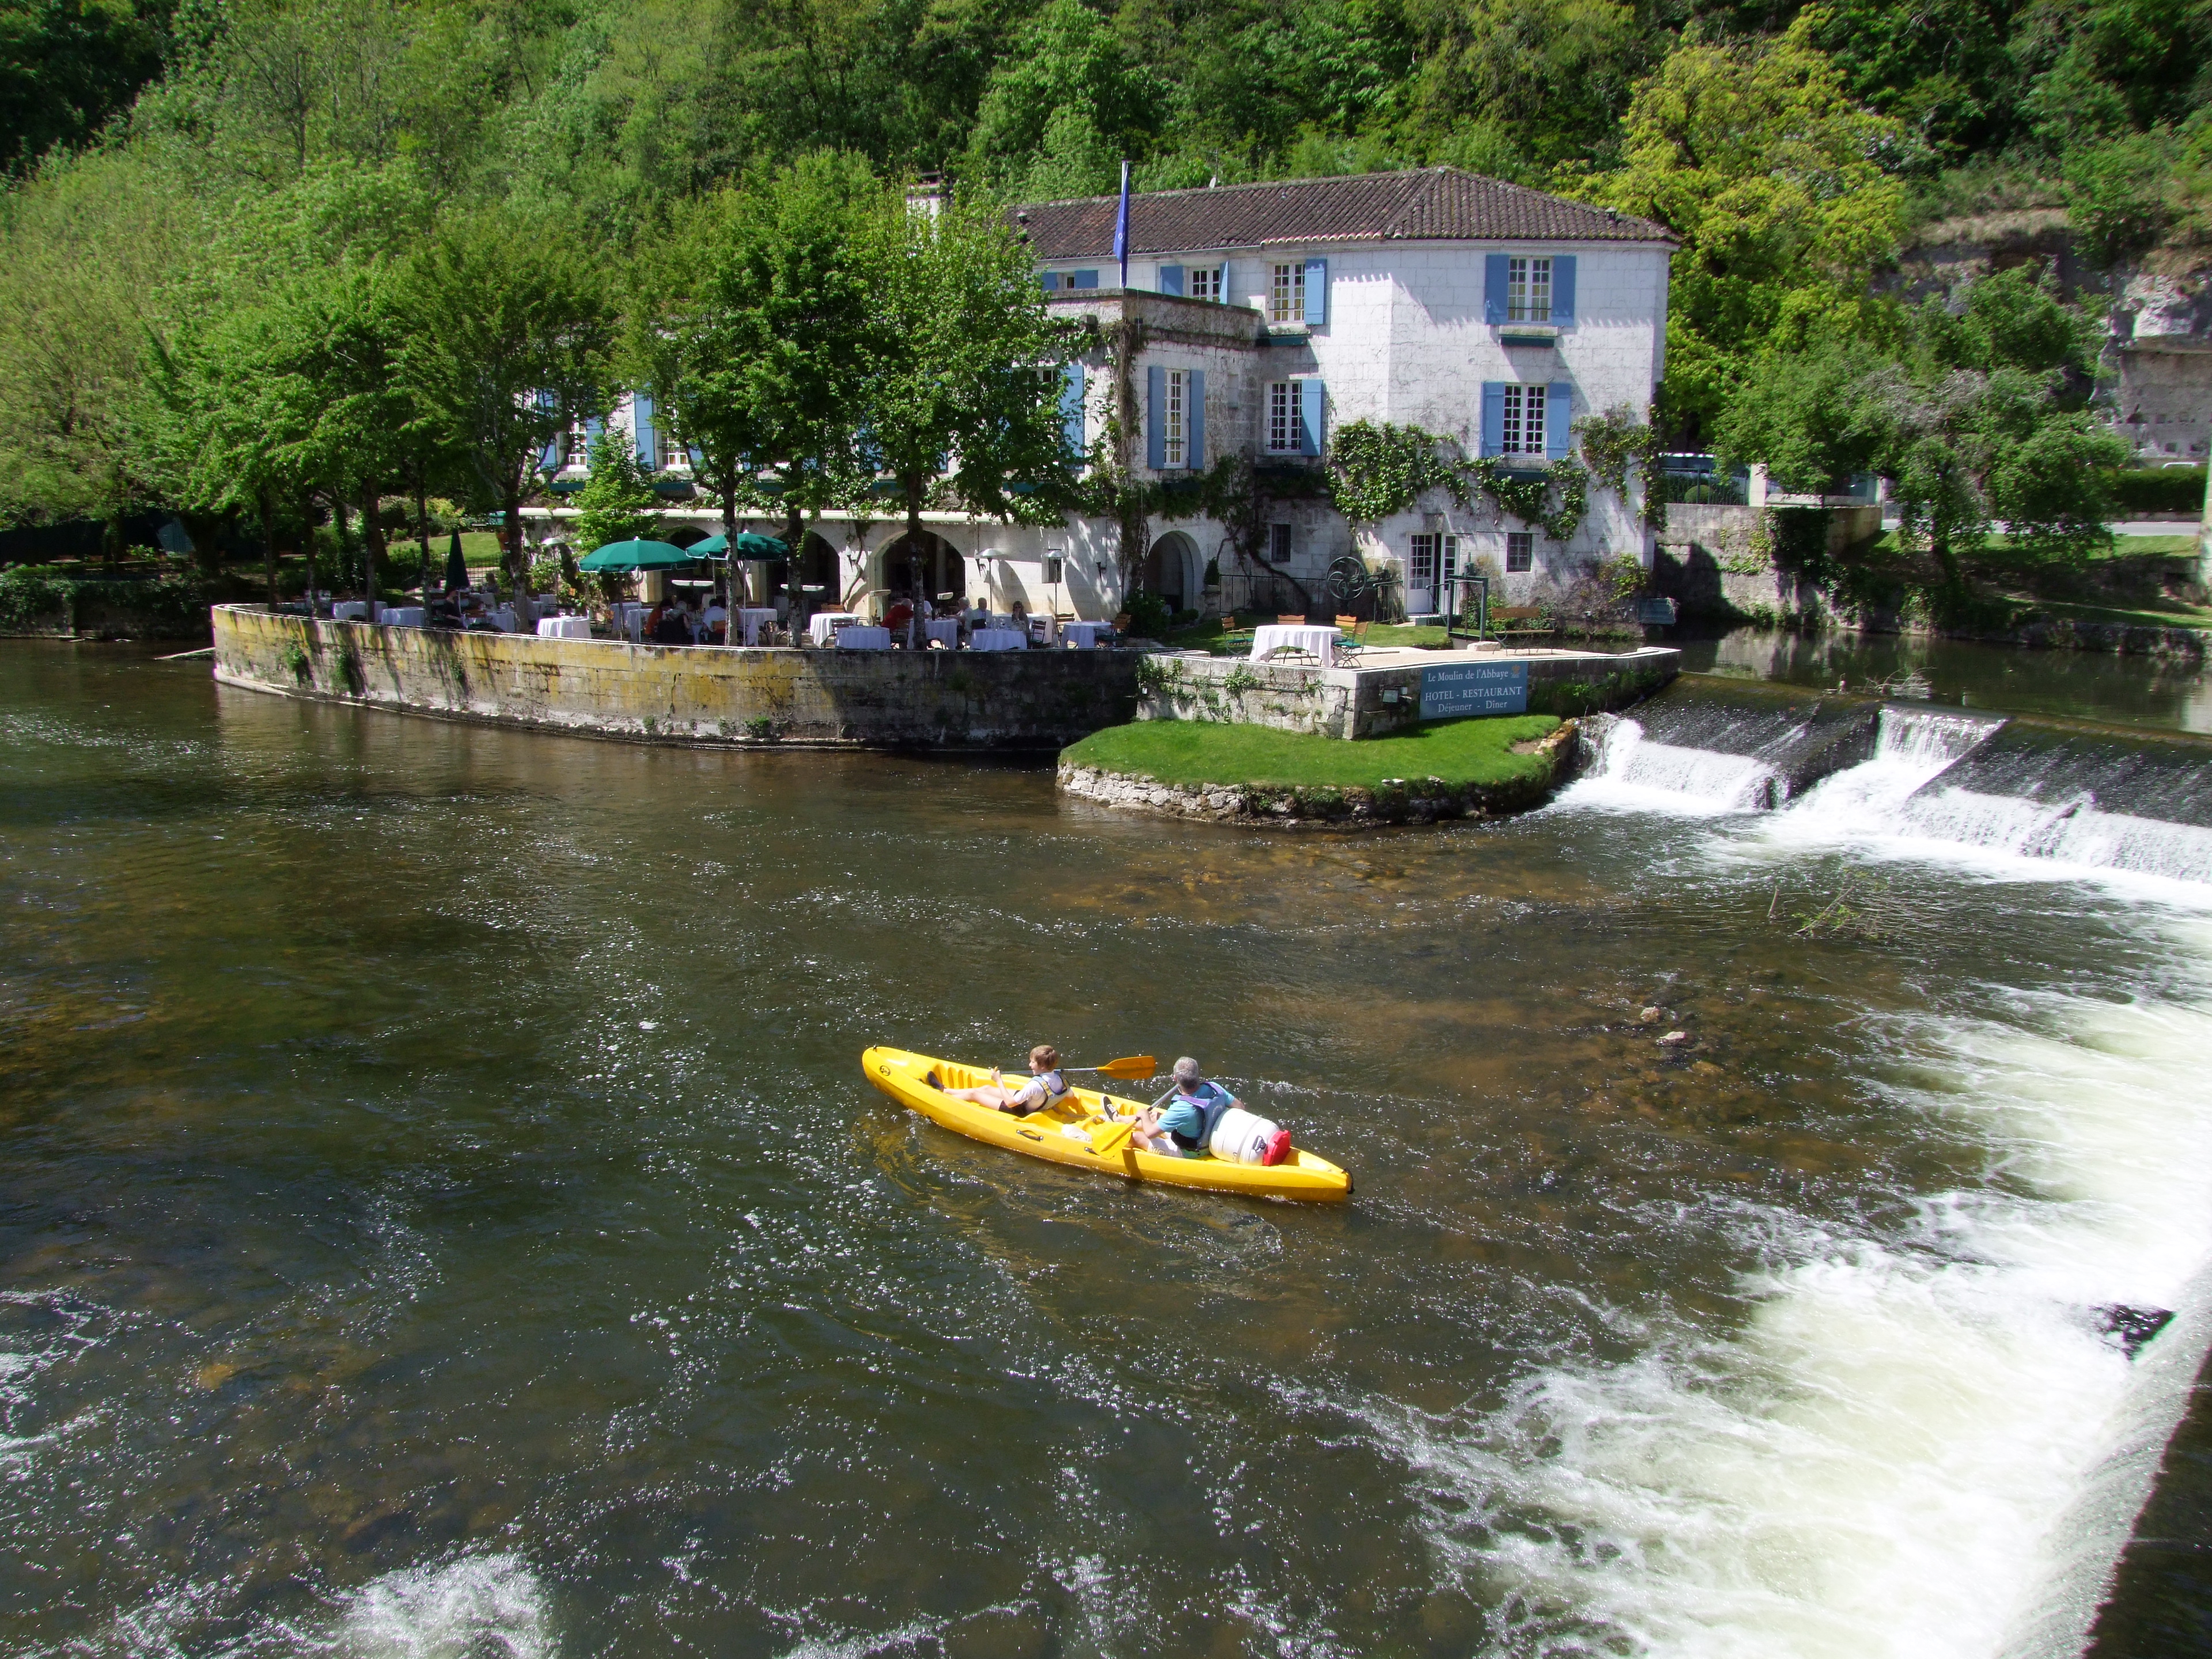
[1523, 433]
[1278, 543]
[1528, 291]
[1435, 561]
[1519, 551]
[1283, 417]
[1205, 282]
[576, 446]
[1287, 300]
[1175, 423]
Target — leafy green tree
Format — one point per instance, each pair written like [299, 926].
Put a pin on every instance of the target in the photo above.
[66, 66]
[1755, 156]
[508, 337]
[616, 502]
[1069, 101]
[1526, 85]
[2117, 195]
[1940, 67]
[964, 371]
[1979, 417]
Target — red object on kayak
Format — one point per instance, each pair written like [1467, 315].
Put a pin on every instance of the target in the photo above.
[1279, 1147]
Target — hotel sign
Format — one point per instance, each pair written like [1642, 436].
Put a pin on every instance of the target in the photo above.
[1454, 690]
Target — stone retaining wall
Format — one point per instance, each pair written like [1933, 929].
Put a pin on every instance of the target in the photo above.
[1411, 800]
[1373, 703]
[1013, 700]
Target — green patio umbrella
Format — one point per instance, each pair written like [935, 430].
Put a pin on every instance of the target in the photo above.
[745, 545]
[636, 555]
[457, 568]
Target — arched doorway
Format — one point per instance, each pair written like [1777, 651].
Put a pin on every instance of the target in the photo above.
[920, 563]
[1171, 571]
[812, 578]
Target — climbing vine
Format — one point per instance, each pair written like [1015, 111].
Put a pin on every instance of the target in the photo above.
[1375, 469]
[1616, 441]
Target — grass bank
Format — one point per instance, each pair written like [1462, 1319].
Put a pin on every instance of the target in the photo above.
[1184, 752]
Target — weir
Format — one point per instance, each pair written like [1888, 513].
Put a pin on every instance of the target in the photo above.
[2055, 792]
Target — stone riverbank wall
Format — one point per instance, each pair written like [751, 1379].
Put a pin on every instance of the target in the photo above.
[1373, 703]
[1011, 700]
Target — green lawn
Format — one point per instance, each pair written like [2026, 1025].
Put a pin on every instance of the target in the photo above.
[1201, 751]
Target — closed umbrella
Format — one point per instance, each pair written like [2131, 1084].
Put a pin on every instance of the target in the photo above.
[457, 568]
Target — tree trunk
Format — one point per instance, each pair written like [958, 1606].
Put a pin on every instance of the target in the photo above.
[730, 553]
[371, 548]
[422, 535]
[268, 544]
[308, 546]
[345, 541]
[795, 537]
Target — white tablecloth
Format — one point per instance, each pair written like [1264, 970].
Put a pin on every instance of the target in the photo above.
[823, 624]
[1081, 635]
[1321, 642]
[564, 628]
[998, 639]
[403, 616]
[751, 618]
[349, 611]
[858, 636]
[945, 629]
[504, 617]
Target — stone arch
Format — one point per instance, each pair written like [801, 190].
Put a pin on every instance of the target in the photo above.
[1174, 570]
[922, 562]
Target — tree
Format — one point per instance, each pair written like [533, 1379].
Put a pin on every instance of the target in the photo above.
[508, 341]
[616, 502]
[1753, 155]
[963, 371]
[65, 67]
[1979, 417]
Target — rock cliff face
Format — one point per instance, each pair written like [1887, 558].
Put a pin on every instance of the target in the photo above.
[2155, 375]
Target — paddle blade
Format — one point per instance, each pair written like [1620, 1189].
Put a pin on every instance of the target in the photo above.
[1128, 1066]
[1108, 1137]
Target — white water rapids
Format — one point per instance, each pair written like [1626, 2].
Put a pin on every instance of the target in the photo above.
[1918, 1445]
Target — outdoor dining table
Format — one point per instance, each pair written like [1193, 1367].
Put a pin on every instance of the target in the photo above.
[823, 626]
[943, 629]
[349, 611]
[998, 639]
[403, 616]
[749, 617]
[858, 636]
[564, 628]
[1081, 636]
[1321, 642]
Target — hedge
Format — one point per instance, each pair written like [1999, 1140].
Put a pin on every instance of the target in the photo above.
[2159, 490]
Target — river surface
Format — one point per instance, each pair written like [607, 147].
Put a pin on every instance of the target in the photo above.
[443, 1214]
[2175, 694]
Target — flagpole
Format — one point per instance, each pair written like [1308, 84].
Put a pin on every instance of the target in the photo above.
[1122, 228]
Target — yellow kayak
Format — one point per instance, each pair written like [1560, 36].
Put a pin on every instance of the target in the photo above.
[1061, 1133]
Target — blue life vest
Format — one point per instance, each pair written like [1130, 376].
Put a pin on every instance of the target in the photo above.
[1210, 1101]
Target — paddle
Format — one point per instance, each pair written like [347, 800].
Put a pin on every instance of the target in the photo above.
[1127, 1066]
[1108, 1137]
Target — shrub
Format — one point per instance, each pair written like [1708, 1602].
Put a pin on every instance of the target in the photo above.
[2159, 490]
[1149, 616]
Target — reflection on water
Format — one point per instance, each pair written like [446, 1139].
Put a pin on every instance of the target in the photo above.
[443, 1214]
[2172, 694]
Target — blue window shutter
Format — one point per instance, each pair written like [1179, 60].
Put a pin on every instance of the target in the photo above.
[698, 458]
[1493, 417]
[1317, 294]
[550, 460]
[1195, 450]
[1171, 279]
[1494, 292]
[648, 440]
[1156, 409]
[1557, 435]
[1562, 290]
[1051, 281]
[1227, 293]
[1086, 279]
[1309, 417]
[1071, 407]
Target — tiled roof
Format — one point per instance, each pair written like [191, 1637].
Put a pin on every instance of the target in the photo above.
[1434, 204]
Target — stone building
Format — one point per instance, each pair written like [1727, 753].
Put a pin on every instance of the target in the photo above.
[1256, 321]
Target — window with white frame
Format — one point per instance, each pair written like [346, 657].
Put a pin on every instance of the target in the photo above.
[1528, 291]
[1283, 417]
[1278, 543]
[1204, 282]
[576, 446]
[1435, 561]
[1174, 419]
[1519, 551]
[1286, 301]
[1523, 430]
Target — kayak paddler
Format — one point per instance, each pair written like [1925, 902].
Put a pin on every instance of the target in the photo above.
[1181, 1121]
[1046, 1085]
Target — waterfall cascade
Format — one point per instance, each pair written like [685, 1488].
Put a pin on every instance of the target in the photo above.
[1905, 773]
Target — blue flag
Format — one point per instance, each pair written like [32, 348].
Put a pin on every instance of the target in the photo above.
[1122, 228]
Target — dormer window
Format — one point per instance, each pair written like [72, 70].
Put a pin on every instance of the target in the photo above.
[1205, 282]
[1529, 290]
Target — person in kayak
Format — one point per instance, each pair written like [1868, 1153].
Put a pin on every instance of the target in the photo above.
[1181, 1121]
[1045, 1085]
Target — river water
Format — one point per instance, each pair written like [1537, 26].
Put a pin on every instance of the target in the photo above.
[442, 1212]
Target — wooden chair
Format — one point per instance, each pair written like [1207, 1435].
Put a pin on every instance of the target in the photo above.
[1297, 620]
